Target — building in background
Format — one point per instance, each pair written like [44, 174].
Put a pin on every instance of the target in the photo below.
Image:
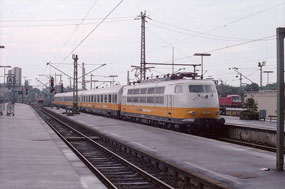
[17, 72]
[266, 99]
[18, 75]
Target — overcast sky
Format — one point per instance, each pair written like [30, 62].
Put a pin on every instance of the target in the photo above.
[35, 32]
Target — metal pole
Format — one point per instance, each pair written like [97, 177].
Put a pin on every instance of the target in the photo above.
[91, 81]
[280, 33]
[143, 15]
[55, 80]
[23, 94]
[202, 67]
[83, 77]
[261, 77]
[172, 60]
[75, 86]
[240, 84]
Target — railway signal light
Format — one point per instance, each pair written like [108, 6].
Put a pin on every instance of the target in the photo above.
[61, 87]
[27, 91]
[51, 82]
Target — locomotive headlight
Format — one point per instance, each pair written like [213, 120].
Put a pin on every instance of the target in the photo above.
[191, 112]
[217, 112]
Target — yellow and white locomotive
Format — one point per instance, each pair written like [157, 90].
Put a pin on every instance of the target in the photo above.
[170, 101]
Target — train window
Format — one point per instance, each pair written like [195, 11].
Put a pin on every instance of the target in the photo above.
[129, 99]
[196, 88]
[159, 100]
[109, 98]
[209, 88]
[142, 99]
[98, 98]
[136, 91]
[179, 89]
[151, 90]
[150, 99]
[143, 91]
[115, 98]
[101, 98]
[130, 91]
[159, 90]
[94, 98]
[135, 99]
[105, 98]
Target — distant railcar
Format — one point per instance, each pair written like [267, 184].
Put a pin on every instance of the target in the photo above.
[231, 101]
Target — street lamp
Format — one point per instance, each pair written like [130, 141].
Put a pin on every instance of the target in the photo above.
[113, 77]
[268, 72]
[202, 55]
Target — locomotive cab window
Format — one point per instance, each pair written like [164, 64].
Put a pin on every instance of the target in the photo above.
[201, 88]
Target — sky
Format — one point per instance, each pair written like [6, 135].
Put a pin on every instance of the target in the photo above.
[35, 32]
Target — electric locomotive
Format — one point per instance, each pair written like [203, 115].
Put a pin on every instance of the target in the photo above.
[174, 102]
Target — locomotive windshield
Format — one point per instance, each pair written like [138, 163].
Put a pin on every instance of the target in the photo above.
[201, 88]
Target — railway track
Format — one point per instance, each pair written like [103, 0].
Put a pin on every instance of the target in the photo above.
[112, 169]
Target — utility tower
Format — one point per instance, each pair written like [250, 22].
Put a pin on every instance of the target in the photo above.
[143, 17]
[75, 86]
[261, 64]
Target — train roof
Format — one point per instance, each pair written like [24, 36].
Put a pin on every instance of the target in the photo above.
[114, 89]
[163, 82]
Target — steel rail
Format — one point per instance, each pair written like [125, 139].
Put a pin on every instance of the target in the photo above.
[149, 176]
[105, 179]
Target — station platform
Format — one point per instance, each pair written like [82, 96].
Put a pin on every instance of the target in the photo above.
[233, 165]
[32, 156]
[259, 124]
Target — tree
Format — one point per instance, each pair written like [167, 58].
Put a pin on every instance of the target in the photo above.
[224, 90]
[251, 105]
[272, 86]
[251, 87]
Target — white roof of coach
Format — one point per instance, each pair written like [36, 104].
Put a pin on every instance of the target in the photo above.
[107, 90]
[163, 83]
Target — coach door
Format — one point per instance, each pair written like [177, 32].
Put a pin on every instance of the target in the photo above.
[169, 105]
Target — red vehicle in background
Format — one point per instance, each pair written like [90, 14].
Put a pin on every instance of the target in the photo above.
[231, 101]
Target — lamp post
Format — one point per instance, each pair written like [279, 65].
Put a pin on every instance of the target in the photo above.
[261, 64]
[268, 72]
[113, 79]
[202, 55]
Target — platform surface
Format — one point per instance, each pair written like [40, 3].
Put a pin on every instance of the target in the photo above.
[32, 156]
[260, 124]
[233, 165]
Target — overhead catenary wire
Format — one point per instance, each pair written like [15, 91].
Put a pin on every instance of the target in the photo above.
[66, 19]
[210, 36]
[220, 26]
[93, 30]
[77, 26]
[61, 25]
[233, 45]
